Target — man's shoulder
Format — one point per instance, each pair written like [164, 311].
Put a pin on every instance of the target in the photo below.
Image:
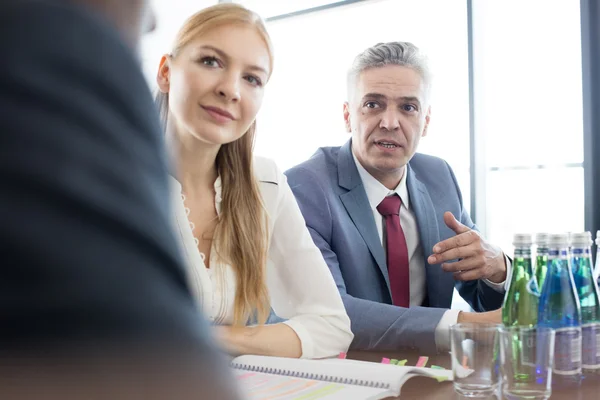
[321, 163]
[426, 162]
[431, 168]
[434, 172]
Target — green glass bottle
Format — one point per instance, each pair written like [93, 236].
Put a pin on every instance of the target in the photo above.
[541, 258]
[520, 307]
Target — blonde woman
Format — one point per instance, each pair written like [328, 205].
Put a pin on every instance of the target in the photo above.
[247, 248]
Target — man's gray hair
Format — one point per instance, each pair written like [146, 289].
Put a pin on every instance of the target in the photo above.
[392, 53]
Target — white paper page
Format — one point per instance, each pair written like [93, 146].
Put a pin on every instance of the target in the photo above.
[261, 386]
[342, 371]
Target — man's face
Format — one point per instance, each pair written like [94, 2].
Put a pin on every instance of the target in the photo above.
[387, 115]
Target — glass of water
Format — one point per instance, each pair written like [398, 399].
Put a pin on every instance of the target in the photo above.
[526, 356]
[475, 359]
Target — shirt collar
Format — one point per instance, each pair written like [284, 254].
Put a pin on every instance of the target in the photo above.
[376, 191]
[217, 185]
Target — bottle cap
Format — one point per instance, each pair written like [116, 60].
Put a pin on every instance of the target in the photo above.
[541, 239]
[522, 239]
[581, 239]
[558, 240]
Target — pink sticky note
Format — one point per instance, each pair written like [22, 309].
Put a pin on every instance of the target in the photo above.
[385, 360]
[422, 362]
[342, 356]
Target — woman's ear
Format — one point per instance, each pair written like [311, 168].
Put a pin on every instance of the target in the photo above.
[164, 74]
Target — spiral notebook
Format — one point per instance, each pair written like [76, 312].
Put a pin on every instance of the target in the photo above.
[274, 378]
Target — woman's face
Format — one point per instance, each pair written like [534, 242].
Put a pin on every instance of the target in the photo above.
[216, 83]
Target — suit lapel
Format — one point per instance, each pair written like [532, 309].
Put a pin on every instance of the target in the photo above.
[422, 206]
[438, 288]
[357, 205]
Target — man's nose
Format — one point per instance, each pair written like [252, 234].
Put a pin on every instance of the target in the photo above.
[389, 121]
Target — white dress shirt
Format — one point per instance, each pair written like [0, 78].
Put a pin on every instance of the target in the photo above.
[300, 286]
[376, 192]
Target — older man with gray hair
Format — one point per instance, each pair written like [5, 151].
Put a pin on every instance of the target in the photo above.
[389, 221]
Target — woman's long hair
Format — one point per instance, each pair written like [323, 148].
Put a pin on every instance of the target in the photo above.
[241, 236]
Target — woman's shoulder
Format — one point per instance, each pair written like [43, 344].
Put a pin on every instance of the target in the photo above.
[266, 170]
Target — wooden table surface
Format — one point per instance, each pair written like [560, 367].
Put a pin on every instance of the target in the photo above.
[429, 389]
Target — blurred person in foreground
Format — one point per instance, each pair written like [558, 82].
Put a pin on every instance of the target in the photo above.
[93, 295]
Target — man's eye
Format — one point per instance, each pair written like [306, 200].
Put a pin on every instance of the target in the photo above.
[409, 108]
[371, 104]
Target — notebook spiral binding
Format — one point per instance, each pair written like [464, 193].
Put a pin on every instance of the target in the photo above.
[319, 377]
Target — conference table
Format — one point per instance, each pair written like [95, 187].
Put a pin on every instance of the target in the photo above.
[429, 389]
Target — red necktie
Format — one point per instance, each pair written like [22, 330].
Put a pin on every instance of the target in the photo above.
[396, 251]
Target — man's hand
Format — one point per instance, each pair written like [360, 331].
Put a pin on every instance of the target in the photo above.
[478, 259]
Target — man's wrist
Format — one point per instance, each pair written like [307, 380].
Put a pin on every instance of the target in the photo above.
[500, 276]
[493, 317]
[465, 317]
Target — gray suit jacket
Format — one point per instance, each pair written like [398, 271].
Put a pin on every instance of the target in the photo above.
[334, 203]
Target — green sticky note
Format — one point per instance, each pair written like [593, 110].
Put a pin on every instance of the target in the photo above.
[394, 361]
[402, 362]
[439, 378]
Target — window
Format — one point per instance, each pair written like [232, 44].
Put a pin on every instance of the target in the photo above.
[302, 109]
[528, 105]
[527, 88]
[303, 102]
[270, 8]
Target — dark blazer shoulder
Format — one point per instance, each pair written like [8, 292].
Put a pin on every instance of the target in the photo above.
[75, 102]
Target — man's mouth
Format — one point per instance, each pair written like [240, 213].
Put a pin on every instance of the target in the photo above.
[387, 145]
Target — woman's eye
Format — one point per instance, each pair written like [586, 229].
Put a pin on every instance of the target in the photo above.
[254, 80]
[210, 61]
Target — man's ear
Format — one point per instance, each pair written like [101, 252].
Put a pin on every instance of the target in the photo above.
[164, 74]
[347, 117]
[427, 120]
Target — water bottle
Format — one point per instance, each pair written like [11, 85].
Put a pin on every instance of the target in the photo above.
[597, 268]
[559, 309]
[541, 258]
[520, 307]
[587, 291]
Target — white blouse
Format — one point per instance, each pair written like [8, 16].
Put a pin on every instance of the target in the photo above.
[300, 286]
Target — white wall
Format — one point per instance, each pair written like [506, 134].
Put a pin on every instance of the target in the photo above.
[170, 16]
